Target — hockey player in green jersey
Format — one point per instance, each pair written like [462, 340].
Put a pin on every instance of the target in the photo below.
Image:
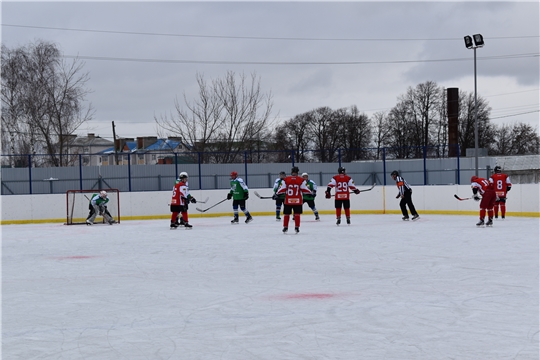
[310, 198]
[98, 205]
[239, 193]
[279, 198]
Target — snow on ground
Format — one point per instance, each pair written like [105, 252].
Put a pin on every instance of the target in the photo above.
[438, 288]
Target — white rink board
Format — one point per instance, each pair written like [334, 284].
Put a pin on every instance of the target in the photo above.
[523, 198]
[438, 288]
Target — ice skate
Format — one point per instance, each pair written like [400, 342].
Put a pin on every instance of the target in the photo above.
[489, 222]
[285, 229]
[235, 220]
[405, 218]
[480, 223]
[338, 221]
[415, 217]
[249, 219]
[317, 218]
[348, 221]
[188, 226]
[88, 222]
[173, 226]
[297, 229]
[278, 218]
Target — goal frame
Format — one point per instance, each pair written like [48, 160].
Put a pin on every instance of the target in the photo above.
[114, 197]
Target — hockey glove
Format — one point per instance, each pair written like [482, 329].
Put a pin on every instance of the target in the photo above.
[246, 196]
[398, 196]
[314, 193]
[476, 197]
[274, 197]
[193, 200]
[356, 191]
[327, 195]
[229, 196]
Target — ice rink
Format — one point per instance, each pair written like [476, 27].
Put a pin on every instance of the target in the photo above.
[381, 288]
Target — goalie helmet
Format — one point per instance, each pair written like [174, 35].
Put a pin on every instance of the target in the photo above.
[103, 194]
[341, 170]
[183, 174]
[497, 169]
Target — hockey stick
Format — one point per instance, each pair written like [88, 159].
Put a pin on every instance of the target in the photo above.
[461, 199]
[261, 197]
[371, 188]
[202, 202]
[205, 210]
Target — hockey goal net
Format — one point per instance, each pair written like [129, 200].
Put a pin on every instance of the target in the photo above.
[77, 209]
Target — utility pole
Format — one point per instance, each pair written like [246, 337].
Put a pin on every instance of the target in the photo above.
[114, 139]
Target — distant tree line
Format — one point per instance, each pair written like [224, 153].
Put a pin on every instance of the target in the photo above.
[43, 104]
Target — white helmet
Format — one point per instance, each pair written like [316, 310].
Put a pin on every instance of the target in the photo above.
[305, 174]
[183, 174]
[103, 194]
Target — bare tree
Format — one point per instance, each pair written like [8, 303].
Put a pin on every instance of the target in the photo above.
[42, 99]
[324, 129]
[381, 131]
[356, 134]
[466, 125]
[231, 115]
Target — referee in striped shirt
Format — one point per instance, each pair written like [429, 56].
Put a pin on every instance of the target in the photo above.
[405, 193]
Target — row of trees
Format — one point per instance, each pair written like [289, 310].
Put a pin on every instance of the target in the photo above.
[229, 118]
[43, 103]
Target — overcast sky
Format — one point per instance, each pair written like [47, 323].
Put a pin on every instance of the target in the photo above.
[307, 54]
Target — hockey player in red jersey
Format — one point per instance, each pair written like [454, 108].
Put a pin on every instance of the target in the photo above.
[179, 202]
[484, 187]
[502, 185]
[342, 184]
[293, 187]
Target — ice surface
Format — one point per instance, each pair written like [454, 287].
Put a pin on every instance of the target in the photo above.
[382, 288]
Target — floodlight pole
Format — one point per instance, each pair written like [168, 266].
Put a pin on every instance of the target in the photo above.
[474, 42]
[475, 118]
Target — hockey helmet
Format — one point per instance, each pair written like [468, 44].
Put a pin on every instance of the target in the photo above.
[295, 170]
[234, 175]
[103, 194]
[474, 178]
[341, 170]
[183, 174]
[305, 175]
[394, 173]
[497, 169]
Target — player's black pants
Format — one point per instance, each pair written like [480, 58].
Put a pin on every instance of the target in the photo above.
[406, 200]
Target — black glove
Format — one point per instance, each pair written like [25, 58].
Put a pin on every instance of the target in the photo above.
[398, 196]
[229, 196]
[274, 197]
[192, 199]
[356, 191]
[314, 193]
[476, 197]
[502, 198]
[246, 196]
[327, 195]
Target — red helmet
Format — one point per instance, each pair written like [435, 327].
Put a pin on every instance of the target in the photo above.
[474, 178]
[234, 174]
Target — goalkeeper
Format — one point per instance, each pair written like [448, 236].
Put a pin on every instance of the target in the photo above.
[98, 205]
